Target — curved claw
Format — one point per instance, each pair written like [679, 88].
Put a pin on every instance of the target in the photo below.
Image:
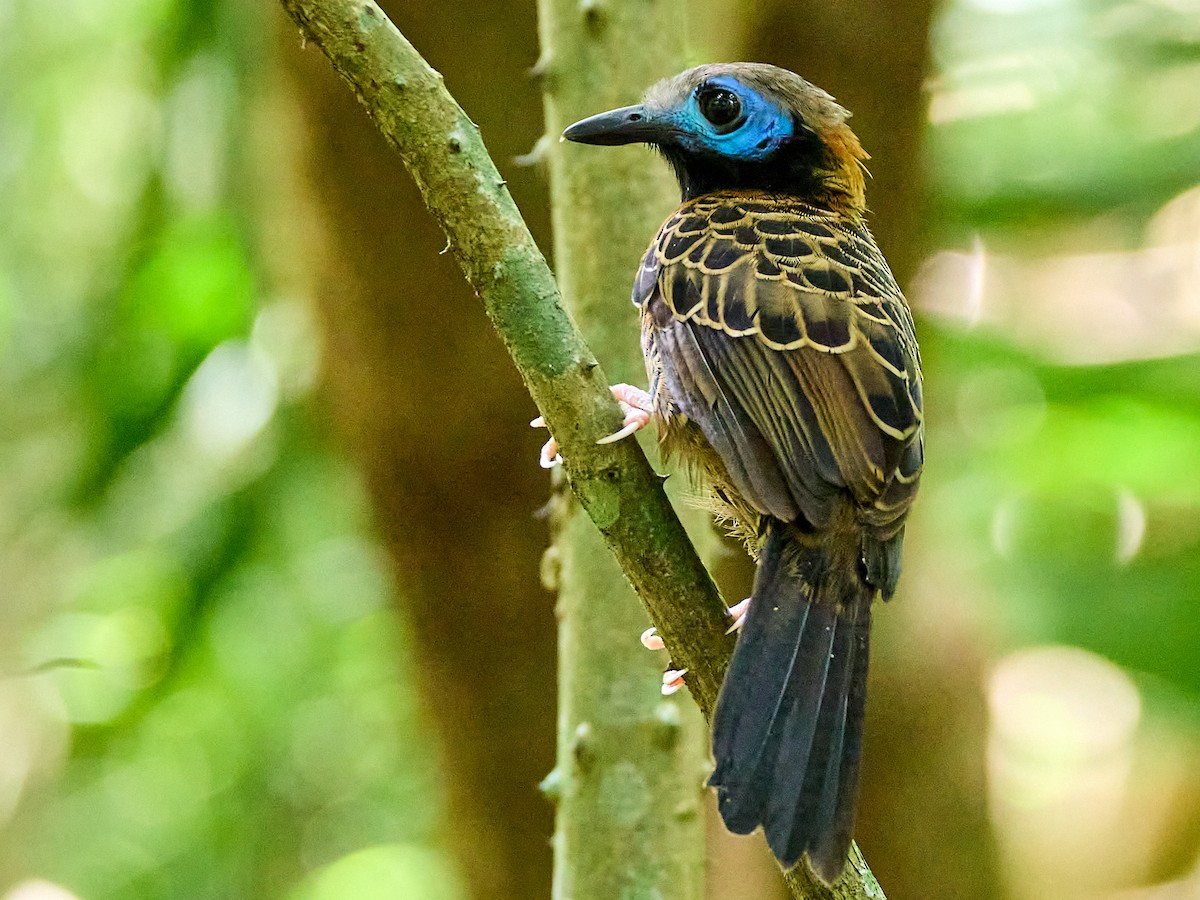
[549, 457]
[672, 681]
[651, 641]
[625, 432]
[738, 612]
[637, 406]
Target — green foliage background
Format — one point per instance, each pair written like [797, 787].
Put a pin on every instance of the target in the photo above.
[204, 679]
[203, 674]
[1099, 135]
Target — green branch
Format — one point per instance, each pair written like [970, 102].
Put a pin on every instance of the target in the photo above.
[614, 483]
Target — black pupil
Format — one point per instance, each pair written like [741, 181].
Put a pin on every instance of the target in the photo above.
[720, 107]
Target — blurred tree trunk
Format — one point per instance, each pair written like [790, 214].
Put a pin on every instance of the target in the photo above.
[872, 55]
[923, 796]
[422, 392]
[630, 770]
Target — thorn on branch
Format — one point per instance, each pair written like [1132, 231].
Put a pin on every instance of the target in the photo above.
[541, 68]
[552, 785]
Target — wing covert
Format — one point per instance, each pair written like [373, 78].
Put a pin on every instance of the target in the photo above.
[783, 335]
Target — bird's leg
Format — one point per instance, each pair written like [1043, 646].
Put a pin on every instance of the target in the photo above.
[672, 677]
[636, 406]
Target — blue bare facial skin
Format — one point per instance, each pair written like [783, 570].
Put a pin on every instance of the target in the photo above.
[754, 133]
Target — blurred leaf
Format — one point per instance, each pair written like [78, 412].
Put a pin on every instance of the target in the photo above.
[196, 288]
[1088, 509]
[394, 872]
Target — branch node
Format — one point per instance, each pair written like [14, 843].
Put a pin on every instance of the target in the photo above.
[541, 68]
[550, 568]
[581, 745]
[668, 724]
[593, 11]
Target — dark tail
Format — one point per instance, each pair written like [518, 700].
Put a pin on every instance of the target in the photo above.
[787, 733]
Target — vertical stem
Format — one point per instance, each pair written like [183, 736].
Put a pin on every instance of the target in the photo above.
[630, 763]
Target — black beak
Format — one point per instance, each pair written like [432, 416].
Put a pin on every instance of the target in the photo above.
[628, 125]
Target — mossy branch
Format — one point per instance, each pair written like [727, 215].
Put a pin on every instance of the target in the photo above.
[614, 483]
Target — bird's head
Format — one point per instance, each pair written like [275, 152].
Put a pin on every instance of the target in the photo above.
[743, 126]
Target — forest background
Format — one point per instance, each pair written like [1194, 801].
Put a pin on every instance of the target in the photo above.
[271, 614]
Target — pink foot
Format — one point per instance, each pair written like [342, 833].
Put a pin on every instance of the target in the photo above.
[672, 681]
[549, 457]
[651, 641]
[636, 406]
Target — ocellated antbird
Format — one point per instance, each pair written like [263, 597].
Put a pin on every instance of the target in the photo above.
[784, 371]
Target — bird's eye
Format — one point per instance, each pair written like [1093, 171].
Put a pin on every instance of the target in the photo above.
[722, 108]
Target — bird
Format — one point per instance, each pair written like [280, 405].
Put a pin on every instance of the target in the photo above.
[784, 373]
